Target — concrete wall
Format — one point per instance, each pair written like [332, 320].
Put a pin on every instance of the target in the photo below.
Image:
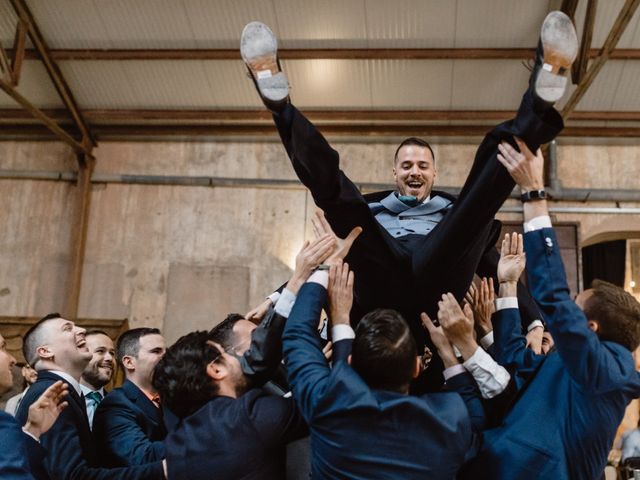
[180, 257]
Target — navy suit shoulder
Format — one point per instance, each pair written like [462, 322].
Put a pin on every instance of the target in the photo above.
[14, 464]
[341, 409]
[129, 428]
[580, 392]
[71, 452]
[236, 438]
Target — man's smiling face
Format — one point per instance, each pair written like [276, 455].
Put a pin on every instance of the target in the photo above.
[414, 171]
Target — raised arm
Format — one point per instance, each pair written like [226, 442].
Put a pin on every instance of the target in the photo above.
[510, 347]
[265, 352]
[590, 363]
[307, 367]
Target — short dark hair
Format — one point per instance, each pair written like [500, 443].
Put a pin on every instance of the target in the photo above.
[223, 332]
[95, 331]
[414, 141]
[128, 343]
[180, 377]
[617, 313]
[384, 351]
[32, 339]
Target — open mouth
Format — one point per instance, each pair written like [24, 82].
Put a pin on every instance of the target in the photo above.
[415, 185]
[82, 345]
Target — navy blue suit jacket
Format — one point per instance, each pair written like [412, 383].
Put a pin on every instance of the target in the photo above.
[14, 459]
[564, 421]
[360, 433]
[232, 439]
[71, 452]
[128, 428]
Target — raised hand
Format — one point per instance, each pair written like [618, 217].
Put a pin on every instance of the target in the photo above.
[456, 322]
[45, 410]
[340, 293]
[526, 169]
[512, 259]
[310, 256]
[440, 341]
[321, 227]
[257, 314]
[482, 301]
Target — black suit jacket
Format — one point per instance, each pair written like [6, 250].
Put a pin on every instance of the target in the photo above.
[71, 452]
[128, 428]
[233, 439]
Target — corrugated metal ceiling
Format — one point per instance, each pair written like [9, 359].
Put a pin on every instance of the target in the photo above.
[317, 83]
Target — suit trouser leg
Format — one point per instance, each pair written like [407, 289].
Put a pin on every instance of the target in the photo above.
[374, 256]
[485, 190]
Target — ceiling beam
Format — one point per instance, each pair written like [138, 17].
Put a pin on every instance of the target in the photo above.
[54, 72]
[618, 28]
[316, 53]
[580, 65]
[19, 44]
[97, 116]
[49, 123]
[133, 132]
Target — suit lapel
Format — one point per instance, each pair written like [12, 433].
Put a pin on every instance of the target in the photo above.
[138, 397]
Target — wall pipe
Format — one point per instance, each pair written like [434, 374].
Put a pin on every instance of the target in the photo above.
[556, 194]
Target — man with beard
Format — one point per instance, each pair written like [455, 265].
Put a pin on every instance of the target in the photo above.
[57, 349]
[99, 370]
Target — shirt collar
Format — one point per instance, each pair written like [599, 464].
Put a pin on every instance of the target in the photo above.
[86, 390]
[70, 380]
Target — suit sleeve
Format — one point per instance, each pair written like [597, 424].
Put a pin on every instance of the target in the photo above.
[307, 367]
[590, 363]
[510, 345]
[465, 386]
[265, 352]
[14, 455]
[277, 420]
[118, 432]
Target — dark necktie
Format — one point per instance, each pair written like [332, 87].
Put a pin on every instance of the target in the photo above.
[95, 397]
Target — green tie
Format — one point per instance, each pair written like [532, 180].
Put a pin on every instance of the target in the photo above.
[96, 397]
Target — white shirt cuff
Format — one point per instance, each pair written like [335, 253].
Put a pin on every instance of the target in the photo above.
[274, 297]
[285, 303]
[491, 378]
[453, 371]
[342, 332]
[537, 223]
[30, 434]
[535, 324]
[506, 302]
[487, 340]
[321, 277]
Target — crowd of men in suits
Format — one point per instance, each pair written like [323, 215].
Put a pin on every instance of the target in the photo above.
[418, 372]
[226, 403]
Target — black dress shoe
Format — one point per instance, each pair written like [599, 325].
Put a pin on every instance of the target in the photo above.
[259, 50]
[557, 49]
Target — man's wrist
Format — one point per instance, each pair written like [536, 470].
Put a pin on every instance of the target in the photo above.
[508, 289]
[448, 358]
[467, 347]
[295, 284]
[340, 319]
[31, 430]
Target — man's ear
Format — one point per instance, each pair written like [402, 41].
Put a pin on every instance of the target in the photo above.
[129, 362]
[44, 352]
[217, 370]
[417, 367]
[593, 325]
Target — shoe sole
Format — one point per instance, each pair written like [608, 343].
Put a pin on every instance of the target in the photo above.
[259, 50]
[560, 48]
